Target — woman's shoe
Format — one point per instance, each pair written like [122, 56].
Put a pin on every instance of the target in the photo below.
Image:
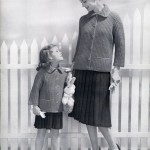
[118, 146]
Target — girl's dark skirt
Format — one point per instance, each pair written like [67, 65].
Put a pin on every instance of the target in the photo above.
[51, 121]
[92, 103]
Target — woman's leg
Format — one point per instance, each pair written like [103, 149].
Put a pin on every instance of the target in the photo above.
[39, 142]
[55, 139]
[92, 130]
[109, 138]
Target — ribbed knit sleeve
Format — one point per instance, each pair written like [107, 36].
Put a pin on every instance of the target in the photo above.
[119, 41]
[34, 95]
[78, 40]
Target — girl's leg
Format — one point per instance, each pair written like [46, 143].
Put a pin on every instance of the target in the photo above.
[55, 139]
[109, 138]
[39, 142]
[92, 130]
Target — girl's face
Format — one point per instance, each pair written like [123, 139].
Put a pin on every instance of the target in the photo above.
[89, 4]
[56, 54]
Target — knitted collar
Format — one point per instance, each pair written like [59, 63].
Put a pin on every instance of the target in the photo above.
[52, 69]
[104, 12]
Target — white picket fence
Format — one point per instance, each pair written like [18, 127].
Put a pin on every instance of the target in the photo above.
[130, 104]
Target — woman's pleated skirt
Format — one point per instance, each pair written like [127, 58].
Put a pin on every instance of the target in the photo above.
[51, 121]
[92, 98]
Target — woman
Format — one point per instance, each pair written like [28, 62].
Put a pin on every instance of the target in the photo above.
[99, 31]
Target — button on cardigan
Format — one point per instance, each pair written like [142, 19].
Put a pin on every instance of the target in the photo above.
[98, 34]
[47, 90]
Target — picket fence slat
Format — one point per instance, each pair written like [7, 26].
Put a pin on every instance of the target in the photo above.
[127, 31]
[4, 144]
[115, 109]
[14, 101]
[144, 143]
[146, 35]
[125, 102]
[64, 143]
[14, 89]
[145, 101]
[4, 102]
[74, 42]
[134, 143]
[24, 144]
[69, 124]
[44, 43]
[65, 124]
[74, 144]
[32, 144]
[64, 48]
[55, 40]
[85, 143]
[24, 89]
[24, 101]
[34, 52]
[124, 143]
[70, 54]
[24, 53]
[135, 102]
[136, 37]
[14, 53]
[4, 90]
[13, 143]
[4, 53]
[74, 125]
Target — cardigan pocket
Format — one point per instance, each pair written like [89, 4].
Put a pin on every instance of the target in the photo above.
[51, 105]
[102, 64]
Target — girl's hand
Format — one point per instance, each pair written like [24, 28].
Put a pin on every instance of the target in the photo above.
[42, 114]
[68, 109]
[36, 110]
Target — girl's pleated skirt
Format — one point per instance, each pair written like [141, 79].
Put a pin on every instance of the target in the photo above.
[92, 98]
[51, 121]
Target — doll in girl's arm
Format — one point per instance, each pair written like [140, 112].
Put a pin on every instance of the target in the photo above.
[69, 90]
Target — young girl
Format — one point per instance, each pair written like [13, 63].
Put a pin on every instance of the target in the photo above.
[46, 95]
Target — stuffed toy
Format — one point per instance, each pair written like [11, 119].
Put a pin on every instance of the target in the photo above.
[69, 90]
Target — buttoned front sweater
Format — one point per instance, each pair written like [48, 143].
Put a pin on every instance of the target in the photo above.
[47, 90]
[98, 34]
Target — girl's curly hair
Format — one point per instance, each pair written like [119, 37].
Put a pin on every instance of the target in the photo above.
[44, 60]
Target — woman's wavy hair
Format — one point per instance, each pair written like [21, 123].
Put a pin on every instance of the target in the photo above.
[44, 60]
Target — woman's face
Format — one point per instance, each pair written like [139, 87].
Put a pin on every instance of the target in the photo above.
[89, 4]
[56, 54]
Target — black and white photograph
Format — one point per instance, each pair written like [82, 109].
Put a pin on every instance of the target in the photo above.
[74, 74]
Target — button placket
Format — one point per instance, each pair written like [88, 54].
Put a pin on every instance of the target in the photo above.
[93, 36]
[56, 86]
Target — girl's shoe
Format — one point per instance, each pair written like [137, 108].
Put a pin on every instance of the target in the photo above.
[118, 147]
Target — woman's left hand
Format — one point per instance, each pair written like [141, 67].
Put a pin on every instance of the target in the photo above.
[115, 79]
